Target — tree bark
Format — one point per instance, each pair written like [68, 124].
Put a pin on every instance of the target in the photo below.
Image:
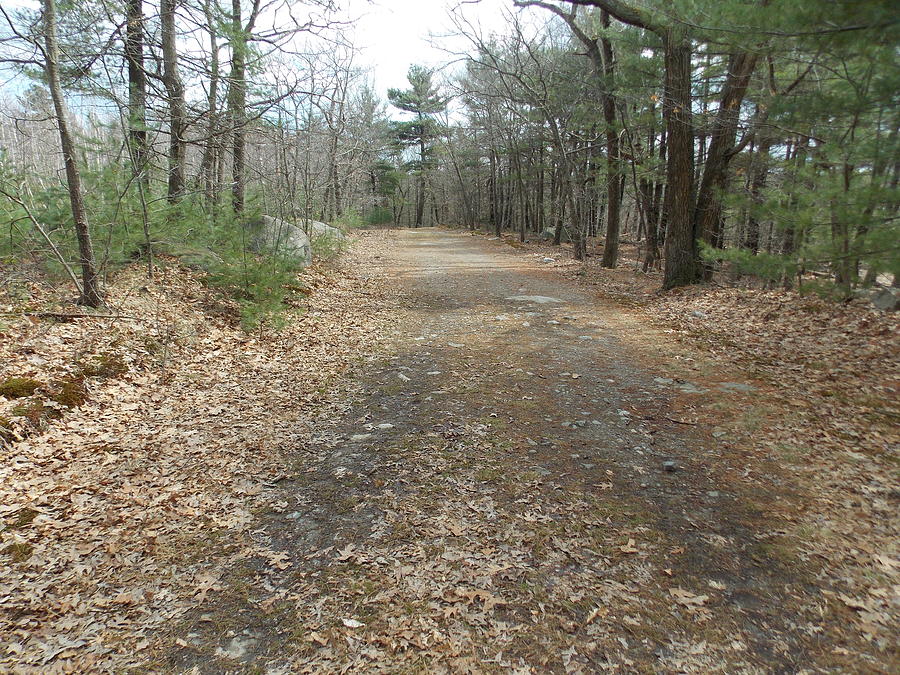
[759, 175]
[613, 163]
[137, 89]
[237, 102]
[602, 62]
[210, 148]
[681, 243]
[708, 212]
[90, 280]
[175, 94]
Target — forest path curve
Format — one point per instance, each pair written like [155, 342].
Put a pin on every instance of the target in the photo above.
[510, 488]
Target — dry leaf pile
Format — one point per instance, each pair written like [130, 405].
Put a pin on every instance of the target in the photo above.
[118, 515]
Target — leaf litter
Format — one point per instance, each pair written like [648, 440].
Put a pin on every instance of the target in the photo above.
[148, 497]
[146, 493]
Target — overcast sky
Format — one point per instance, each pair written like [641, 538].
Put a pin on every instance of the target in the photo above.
[394, 34]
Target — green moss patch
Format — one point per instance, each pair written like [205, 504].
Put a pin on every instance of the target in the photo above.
[18, 387]
[18, 552]
[69, 392]
[106, 366]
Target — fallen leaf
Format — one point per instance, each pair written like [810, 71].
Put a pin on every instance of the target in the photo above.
[688, 599]
[629, 547]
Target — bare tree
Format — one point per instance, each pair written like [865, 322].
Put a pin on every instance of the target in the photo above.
[90, 281]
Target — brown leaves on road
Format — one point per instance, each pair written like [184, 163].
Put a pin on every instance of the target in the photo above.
[118, 515]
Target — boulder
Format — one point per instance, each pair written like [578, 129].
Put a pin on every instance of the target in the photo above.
[318, 229]
[886, 299]
[548, 234]
[273, 234]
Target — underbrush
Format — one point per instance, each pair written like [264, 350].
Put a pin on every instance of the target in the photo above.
[200, 235]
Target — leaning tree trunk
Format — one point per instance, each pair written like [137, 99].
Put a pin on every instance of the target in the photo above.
[90, 280]
[175, 94]
[708, 213]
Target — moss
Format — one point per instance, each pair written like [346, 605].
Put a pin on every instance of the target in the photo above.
[18, 387]
[18, 552]
[6, 430]
[36, 412]
[21, 518]
[70, 392]
[106, 366]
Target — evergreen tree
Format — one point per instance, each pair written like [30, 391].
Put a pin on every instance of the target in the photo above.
[424, 101]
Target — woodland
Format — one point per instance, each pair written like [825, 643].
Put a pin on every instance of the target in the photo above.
[715, 136]
[720, 177]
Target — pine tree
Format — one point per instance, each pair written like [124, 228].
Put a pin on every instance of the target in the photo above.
[424, 100]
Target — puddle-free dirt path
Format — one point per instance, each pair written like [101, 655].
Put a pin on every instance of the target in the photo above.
[505, 487]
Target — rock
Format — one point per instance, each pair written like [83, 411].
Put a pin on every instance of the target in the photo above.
[318, 229]
[539, 299]
[547, 235]
[548, 260]
[275, 235]
[237, 648]
[385, 426]
[699, 315]
[553, 323]
[199, 258]
[690, 388]
[663, 380]
[736, 386]
[670, 465]
[712, 493]
[403, 377]
[886, 299]
[357, 438]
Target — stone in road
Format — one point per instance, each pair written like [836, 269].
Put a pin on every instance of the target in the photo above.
[493, 498]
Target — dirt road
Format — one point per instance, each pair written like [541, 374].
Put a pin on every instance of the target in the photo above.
[510, 484]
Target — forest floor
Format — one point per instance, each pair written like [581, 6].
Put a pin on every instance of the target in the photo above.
[461, 456]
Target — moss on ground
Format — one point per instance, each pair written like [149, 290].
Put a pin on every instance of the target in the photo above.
[18, 387]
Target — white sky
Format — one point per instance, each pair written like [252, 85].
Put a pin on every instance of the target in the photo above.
[395, 34]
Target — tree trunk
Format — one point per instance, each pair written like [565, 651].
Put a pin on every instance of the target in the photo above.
[137, 90]
[208, 160]
[681, 243]
[758, 178]
[613, 163]
[90, 280]
[175, 94]
[708, 212]
[237, 102]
